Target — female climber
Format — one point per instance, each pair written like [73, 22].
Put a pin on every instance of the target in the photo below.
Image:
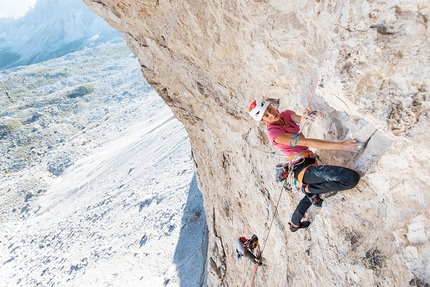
[284, 132]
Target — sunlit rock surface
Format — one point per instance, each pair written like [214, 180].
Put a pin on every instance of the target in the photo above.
[209, 59]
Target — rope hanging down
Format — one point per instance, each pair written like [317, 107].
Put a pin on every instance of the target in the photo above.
[267, 236]
[274, 215]
[272, 154]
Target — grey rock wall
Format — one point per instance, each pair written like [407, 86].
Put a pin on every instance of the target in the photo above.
[209, 59]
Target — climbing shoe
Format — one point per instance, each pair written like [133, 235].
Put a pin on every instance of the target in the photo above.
[303, 224]
[314, 198]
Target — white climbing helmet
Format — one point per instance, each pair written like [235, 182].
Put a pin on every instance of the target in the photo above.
[257, 109]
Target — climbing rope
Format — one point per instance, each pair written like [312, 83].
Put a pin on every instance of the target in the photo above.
[296, 136]
[313, 91]
[265, 240]
[274, 215]
[253, 274]
[271, 154]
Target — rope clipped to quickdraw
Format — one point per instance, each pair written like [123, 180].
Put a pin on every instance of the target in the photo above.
[296, 136]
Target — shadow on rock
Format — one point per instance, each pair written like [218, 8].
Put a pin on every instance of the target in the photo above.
[191, 251]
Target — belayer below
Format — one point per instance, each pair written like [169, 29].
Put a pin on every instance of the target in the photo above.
[246, 247]
[284, 133]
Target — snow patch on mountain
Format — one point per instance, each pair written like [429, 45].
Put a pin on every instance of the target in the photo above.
[15, 9]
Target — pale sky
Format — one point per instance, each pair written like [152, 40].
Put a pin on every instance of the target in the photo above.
[15, 8]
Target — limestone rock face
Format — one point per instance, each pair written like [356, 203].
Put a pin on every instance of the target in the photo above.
[209, 59]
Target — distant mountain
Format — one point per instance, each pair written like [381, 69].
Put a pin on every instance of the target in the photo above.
[15, 9]
[51, 29]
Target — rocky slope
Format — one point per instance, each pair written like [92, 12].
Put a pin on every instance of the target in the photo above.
[209, 59]
[84, 199]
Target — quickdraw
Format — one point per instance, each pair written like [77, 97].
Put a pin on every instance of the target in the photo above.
[296, 136]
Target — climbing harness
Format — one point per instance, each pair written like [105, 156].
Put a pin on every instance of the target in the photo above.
[293, 159]
[285, 171]
[253, 242]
